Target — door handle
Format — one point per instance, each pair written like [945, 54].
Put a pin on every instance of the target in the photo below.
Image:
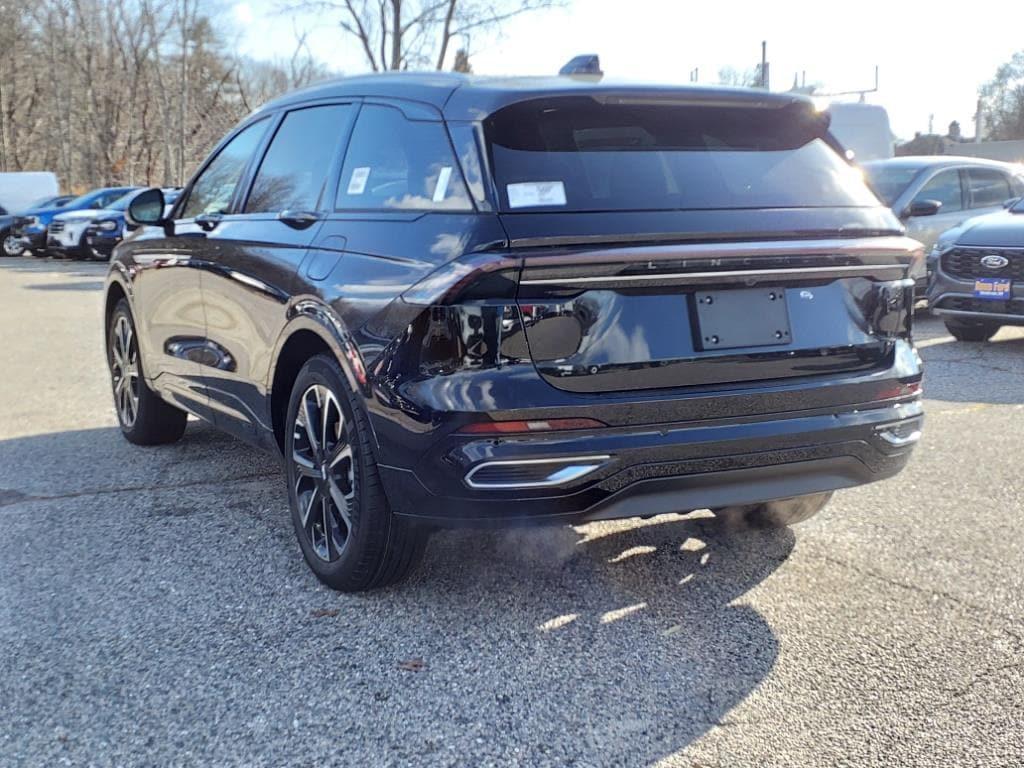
[299, 219]
[208, 221]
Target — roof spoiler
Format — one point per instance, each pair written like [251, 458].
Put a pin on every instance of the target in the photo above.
[586, 66]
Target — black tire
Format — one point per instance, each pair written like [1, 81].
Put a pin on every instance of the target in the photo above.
[346, 530]
[780, 513]
[12, 246]
[144, 417]
[971, 330]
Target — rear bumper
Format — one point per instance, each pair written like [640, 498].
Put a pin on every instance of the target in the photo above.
[34, 241]
[661, 468]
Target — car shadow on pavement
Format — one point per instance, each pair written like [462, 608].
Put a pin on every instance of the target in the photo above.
[634, 624]
[610, 643]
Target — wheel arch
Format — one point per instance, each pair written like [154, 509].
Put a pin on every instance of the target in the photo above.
[312, 328]
[115, 291]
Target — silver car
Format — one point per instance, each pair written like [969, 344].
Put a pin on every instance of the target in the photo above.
[931, 194]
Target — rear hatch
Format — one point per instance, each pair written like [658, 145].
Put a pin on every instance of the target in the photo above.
[668, 243]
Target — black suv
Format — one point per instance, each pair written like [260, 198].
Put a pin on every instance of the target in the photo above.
[447, 300]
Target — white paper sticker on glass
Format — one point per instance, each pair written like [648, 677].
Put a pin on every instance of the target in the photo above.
[357, 183]
[441, 188]
[535, 193]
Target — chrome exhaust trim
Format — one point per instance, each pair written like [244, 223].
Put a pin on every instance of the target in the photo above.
[563, 470]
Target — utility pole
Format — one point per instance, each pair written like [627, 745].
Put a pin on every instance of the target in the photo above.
[764, 65]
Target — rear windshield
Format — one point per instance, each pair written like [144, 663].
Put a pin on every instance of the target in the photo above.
[576, 154]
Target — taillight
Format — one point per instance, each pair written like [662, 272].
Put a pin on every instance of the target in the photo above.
[540, 425]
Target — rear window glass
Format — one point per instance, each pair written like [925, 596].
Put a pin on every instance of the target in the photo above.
[396, 163]
[576, 154]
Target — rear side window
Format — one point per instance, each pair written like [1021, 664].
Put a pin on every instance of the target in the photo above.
[988, 187]
[578, 154]
[945, 188]
[292, 174]
[394, 163]
[213, 190]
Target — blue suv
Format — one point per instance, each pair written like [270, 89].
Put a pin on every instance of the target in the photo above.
[28, 232]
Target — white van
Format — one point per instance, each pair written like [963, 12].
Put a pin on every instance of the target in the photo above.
[19, 190]
[863, 128]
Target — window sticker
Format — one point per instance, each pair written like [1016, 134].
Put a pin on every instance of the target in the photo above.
[529, 193]
[357, 184]
[441, 188]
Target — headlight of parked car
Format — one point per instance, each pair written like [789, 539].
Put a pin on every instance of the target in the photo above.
[32, 221]
[107, 226]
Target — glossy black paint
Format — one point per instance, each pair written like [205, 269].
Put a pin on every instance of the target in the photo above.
[445, 318]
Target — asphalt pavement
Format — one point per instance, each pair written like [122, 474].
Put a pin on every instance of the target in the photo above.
[155, 609]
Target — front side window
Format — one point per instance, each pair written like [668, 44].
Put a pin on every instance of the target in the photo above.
[988, 187]
[945, 188]
[581, 154]
[292, 174]
[213, 190]
[396, 163]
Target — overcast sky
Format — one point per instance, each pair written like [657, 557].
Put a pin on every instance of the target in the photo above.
[932, 58]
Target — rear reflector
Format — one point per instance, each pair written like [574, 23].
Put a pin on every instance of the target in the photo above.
[543, 425]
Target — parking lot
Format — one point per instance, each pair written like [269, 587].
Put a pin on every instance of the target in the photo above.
[155, 609]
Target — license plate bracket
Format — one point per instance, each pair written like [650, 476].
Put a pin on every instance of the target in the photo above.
[747, 317]
[993, 288]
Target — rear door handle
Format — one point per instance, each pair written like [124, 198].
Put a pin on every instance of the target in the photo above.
[209, 221]
[299, 219]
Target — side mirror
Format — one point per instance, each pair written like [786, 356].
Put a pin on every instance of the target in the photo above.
[1008, 204]
[146, 208]
[922, 208]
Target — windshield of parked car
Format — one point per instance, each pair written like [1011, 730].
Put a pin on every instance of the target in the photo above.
[576, 154]
[889, 181]
[46, 202]
[121, 204]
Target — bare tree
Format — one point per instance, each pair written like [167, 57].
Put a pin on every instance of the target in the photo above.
[415, 34]
[124, 91]
[1002, 101]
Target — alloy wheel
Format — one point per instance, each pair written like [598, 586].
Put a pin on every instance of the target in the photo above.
[324, 472]
[124, 371]
[13, 246]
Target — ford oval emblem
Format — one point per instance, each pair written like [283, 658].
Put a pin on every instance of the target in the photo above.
[994, 261]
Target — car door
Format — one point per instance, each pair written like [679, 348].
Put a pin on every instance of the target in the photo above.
[945, 187]
[169, 311]
[253, 260]
[987, 190]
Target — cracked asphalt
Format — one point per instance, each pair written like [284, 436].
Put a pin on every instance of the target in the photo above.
[155, 610]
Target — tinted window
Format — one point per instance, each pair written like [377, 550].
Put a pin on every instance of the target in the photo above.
[888, 181]
[944, 187]
[576, 154]
[988, 187]
[393, 162]
[295, 167]
[213, 190]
